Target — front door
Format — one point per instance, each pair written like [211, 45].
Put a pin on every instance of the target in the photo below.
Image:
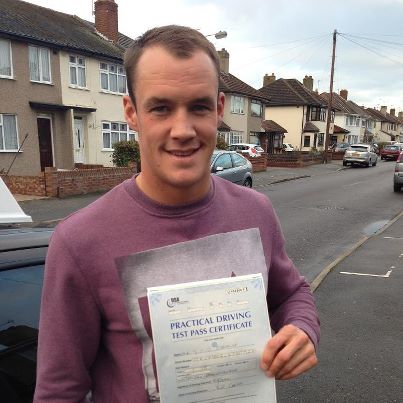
[78, 141]
[45, 142]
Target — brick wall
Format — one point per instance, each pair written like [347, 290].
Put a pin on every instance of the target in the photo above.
[294, 159]
[53, 183]
[258, 163]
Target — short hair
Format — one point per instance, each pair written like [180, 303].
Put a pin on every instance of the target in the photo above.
[180, 41]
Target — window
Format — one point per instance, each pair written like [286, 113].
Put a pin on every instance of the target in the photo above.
[307, 141]
[352, 120]
[321, 137]
[113, 78]
[8, 133]
[237, 104]
[224, 161]
[39, 64]
[5, 59]
[112, 132]
[256, 108]
[233, 137]
[77, 71]
[238, 160]
[277, 140]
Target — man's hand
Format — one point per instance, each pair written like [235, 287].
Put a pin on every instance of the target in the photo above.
[288, 354]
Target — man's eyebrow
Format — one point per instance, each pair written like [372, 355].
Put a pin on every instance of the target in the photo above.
[204, 100]
[156, 101]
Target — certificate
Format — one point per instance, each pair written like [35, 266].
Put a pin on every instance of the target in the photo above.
[208, 340]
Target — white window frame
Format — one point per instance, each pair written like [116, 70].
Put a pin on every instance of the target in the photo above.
[10, 55]
[2, 134]
[234, 137]
[77, 66]
[41, 80]
[107, 71]
[124, 135]
[237, 104]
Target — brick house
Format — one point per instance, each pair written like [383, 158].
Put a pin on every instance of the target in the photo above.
[387, 126]
[62, 82]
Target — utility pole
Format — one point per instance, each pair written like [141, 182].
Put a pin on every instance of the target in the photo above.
[329, 103]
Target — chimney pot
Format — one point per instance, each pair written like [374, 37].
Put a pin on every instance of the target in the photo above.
[344, 94]
[106, 19]
[224, 60]
[384, 109]
[268, 79]
[392, 111]
[308, 82]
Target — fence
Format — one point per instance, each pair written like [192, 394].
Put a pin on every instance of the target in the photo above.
[53, 183]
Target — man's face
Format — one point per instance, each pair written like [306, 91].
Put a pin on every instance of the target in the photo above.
[176, 114]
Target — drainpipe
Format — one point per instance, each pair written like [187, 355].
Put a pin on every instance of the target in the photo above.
[302, 126]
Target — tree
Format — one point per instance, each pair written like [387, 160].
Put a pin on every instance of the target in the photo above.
[125, 152]
[221, 144]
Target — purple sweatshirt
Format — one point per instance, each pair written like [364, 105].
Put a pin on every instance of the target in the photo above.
[86, 341]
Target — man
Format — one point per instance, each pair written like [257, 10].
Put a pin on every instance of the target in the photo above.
[86, 340]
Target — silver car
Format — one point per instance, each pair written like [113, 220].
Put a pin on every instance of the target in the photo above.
[362, 154]
[232, 166]
[398, 174]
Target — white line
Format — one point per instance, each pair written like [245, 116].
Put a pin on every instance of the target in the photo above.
[370, 275]
[352, 184]
[391, 237]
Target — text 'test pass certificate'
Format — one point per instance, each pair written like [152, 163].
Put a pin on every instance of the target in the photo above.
[208, 340]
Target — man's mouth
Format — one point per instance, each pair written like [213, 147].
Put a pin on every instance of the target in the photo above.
[183, 153]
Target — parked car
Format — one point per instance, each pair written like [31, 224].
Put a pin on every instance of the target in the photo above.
[398, 174]
[287, 147]
[361, 154]
[391, 151]
[341, 147]
[232, 166]
[244, 148]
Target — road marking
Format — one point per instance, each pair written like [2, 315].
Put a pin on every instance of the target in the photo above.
[391, 237]
[369, 275]
[352, 184]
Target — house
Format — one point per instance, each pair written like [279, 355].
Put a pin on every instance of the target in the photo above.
[62, 83]
[296, 108]
[243, 113]
[352, 124]
[387, 124]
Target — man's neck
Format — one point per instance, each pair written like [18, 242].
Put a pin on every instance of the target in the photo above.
[173, 196]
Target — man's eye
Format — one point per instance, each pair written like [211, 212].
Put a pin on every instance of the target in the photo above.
[159, 109]
[201, 108]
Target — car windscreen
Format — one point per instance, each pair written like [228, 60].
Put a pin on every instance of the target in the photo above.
[394, 148]
[359, 148]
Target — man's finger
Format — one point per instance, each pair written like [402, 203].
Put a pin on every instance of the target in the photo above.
[299, 369]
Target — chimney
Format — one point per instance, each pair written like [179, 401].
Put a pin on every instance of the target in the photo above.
[392, 111]
[400, 115]
[384, 110]
[268, 79]
[344, 94]
[308, 82]
[224, 60]
[106, 18]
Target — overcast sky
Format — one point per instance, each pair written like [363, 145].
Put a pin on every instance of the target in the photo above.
[288, 38]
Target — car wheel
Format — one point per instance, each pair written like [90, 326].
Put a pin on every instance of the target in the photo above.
[374, 164]
[396, 187]
[344, 163]
[247, 182]
[368, 164]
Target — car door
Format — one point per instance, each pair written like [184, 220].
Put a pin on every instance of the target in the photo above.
[240, 168]
[224, 162]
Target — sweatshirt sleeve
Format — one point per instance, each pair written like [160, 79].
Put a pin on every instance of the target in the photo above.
[69, 328]
[289, 296]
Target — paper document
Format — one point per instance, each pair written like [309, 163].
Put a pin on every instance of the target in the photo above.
[208, 340]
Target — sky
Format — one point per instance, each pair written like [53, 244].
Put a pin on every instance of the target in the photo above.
[290, 38]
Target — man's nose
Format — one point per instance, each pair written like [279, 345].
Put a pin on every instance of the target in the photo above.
[182, 126]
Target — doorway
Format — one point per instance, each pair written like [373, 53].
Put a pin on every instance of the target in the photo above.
[79, 154]
[45, 142]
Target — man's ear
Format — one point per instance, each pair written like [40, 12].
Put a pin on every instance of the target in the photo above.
[130, 113]
[220, 106]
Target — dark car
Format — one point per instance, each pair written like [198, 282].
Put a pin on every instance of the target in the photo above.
[398, 174]
[391, 151]
[22, 259]
[232, 166]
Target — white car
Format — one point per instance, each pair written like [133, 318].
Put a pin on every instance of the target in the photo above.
[253, 150]
[362, 154]
[287, 147]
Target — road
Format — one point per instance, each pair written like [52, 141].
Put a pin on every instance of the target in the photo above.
[324, 216]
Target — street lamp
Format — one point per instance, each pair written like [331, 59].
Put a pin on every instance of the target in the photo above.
[219, 35]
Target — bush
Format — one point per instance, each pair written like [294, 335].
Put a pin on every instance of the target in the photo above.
[125, 152]
[221, 144]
